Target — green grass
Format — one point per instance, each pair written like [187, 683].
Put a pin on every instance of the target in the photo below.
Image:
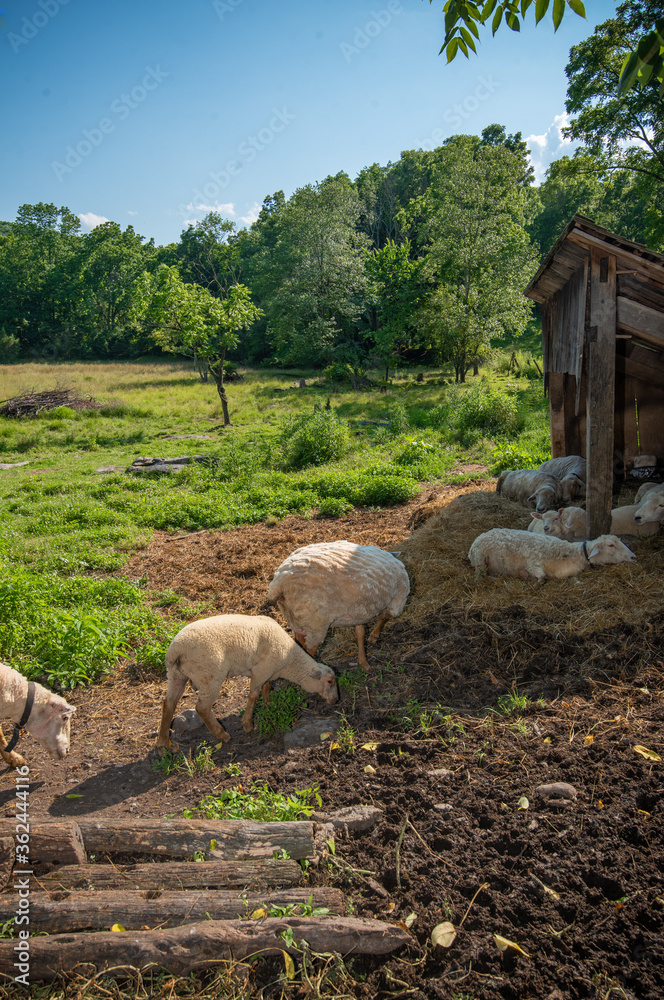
[66, 528]
[259, 803]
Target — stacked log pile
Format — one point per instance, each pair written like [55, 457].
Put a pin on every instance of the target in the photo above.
[235, 900]
[30, 403]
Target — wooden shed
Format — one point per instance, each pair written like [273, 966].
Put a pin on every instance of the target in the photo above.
[602, 300]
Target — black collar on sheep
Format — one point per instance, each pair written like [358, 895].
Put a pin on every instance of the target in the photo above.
[585, 552]
[29, 701]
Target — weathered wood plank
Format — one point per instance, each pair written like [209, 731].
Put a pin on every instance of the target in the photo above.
[182, 837]
[172, 875]
[600, 398]
[201, 945]
[58, 841]
[64, 912]
[640, 319]
[557, 413]
[6, 861]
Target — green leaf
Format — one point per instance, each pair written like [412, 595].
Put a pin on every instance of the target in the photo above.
[468, 38]
[525, 4]
[628, 73]
[497, 18]
[558, 13]
[577, 7]
[452, 49]
[472, 26]
[487, 10]
[512, 21]
[541, 9]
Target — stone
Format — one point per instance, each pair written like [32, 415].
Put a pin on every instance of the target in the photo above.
[308, 732]
[186, 722]
[354, 819]
[558, 795]
[13, 465]
[109, 468]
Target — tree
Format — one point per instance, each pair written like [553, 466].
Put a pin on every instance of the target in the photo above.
[189, 320]
[391, 274]
[479, 254]
[642, 67]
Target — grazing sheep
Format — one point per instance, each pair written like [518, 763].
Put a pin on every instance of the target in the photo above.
[646, 488]
[530, 485]
[510, 552]
[328, 584]
[48, 720]
[570, 465]
[208, 651]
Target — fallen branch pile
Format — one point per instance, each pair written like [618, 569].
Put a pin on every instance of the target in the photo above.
[29, 404]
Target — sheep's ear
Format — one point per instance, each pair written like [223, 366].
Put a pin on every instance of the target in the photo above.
[561, 510]
[316, 674]
[533, 496]
[538, 517]
[594, 551]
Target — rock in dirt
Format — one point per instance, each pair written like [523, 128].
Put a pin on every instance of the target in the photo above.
[441, 772]
[167, 466]
[558, 795]
[186, 722]
[354, 819]
[109, 468]
[309, 732]
[13, 465]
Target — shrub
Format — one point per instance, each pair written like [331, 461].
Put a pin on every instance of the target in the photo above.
[488, 411]
[398, 422]
[416, 450]
[334, 507]
[508, 456]
[313, 439]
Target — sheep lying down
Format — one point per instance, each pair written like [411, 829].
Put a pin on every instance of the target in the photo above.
[208, 651]
[510, 552]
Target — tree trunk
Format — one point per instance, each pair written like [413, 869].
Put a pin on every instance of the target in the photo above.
[196, 946]
[58, 841]
[221, 388]
[172, 875]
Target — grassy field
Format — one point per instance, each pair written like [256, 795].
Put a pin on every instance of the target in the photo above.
[67, 528]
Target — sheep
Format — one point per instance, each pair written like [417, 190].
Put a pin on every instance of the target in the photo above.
[571, 522]
[530, 485]
[48, 721]
[510, 552]
[651, 508]
[646, 488]
[573, 486]
[328, 584]
[207, 651]
[544, 524]
[570, 465]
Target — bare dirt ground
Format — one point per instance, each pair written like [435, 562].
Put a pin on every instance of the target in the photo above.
[577, 888]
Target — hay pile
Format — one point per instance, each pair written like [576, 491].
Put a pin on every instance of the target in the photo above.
[31, 403]
[436, 556]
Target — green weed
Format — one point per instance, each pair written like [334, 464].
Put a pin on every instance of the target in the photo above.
[259, 803]
[281, 711]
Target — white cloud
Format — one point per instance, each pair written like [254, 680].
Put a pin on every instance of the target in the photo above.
[251, 215]
[549, 146]
[227, 209]
[90, 220]
[129, 212]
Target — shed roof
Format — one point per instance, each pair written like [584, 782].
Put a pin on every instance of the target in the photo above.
[640, 276]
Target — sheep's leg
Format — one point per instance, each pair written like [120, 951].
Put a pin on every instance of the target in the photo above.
[378, 628]
[361, 655]
[11, 758]
[204, 709]
[247, 718]
[266, 692]
[174, 692]
[312, 651]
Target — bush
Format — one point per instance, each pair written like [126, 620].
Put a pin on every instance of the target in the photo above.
[334, 507]
[507, 456]
[398, 422]
[313, 439]
[488, 411]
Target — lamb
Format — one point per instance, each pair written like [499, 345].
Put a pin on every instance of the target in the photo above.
[646, 488]
[328, 584]
[48, 720]
[651, 508]
[208, 651]
[571, 522]
[531, 485]
[510, 552]
[546, 523]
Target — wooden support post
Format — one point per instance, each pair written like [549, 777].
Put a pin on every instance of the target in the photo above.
[172, 875]
[54, 841]
[557, 413]
[600, 398]
[201, 945]
[179, 838]
[80, 910]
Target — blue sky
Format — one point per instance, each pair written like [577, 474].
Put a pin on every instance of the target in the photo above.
[152, 113]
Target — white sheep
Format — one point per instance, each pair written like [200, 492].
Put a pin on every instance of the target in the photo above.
[48, 721]
[328, 584]
[646, 488]
[208, 651]
[651, 508]
[530, 485]
[510, 552]
[569, 465]
[571, 522]
[546, 523]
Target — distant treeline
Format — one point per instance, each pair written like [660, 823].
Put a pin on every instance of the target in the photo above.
[427, 256]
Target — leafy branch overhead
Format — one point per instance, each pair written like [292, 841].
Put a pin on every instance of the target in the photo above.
[643, 66]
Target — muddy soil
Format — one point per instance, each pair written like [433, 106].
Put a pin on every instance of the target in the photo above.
[452, 755]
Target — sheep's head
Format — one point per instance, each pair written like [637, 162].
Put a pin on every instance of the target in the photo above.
[323, 681]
